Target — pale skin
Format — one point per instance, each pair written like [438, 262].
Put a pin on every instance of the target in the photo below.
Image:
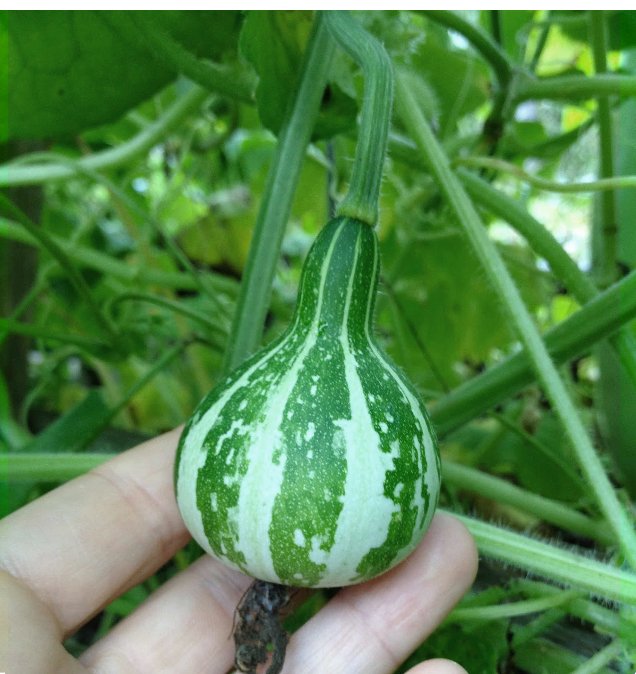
[68, 554]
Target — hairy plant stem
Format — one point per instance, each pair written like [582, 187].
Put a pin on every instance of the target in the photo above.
[249, 318]
[22, 173]
[361, 200]
[617, 517]
[504, 492]
[550, 561]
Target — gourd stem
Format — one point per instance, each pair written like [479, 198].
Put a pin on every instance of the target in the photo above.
[361, 201]
[282, 179]
[617, 516]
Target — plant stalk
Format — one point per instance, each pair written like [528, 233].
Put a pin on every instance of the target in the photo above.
[361, 201]
[13, 174]
[502, 491]
[249, 318]
[548, 560]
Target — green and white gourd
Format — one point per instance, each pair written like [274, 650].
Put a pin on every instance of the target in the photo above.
[314, 463]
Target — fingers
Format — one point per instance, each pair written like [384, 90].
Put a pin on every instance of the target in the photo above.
[89, 540]
[184, 627]
[438, 666]
[375, 626]
[30, 637]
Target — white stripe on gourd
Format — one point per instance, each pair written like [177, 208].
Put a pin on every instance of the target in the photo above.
[314, 463]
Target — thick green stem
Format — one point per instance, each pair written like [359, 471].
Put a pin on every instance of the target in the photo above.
[527, 333]
[23, 174]
[276, 204]
[49, 467]
[605, 268]
[598, 319]
[546, 509]
[560, 565]
[572, 87]
[538, 237]
[361, 201]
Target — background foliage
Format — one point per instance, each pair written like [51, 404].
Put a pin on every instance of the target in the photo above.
[150, 186]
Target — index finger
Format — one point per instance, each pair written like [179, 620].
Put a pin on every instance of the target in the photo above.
[91, 539]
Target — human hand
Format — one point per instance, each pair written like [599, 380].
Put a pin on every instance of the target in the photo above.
[68, 554]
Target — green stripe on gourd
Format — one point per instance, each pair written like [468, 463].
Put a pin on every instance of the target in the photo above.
[314, 463]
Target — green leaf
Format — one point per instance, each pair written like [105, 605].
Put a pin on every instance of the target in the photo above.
[515, 29]
[442, 295]
[70, 70]
[479, 648]
[76, 429]
[274, 42]
[460, 80]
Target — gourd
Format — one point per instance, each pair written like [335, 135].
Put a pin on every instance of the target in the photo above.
[314, 463]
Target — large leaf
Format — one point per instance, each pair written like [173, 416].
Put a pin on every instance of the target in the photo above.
[274, 42]
[71, 70]
[446, 302]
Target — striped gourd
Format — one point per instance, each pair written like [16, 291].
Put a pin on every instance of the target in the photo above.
[314, 463]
